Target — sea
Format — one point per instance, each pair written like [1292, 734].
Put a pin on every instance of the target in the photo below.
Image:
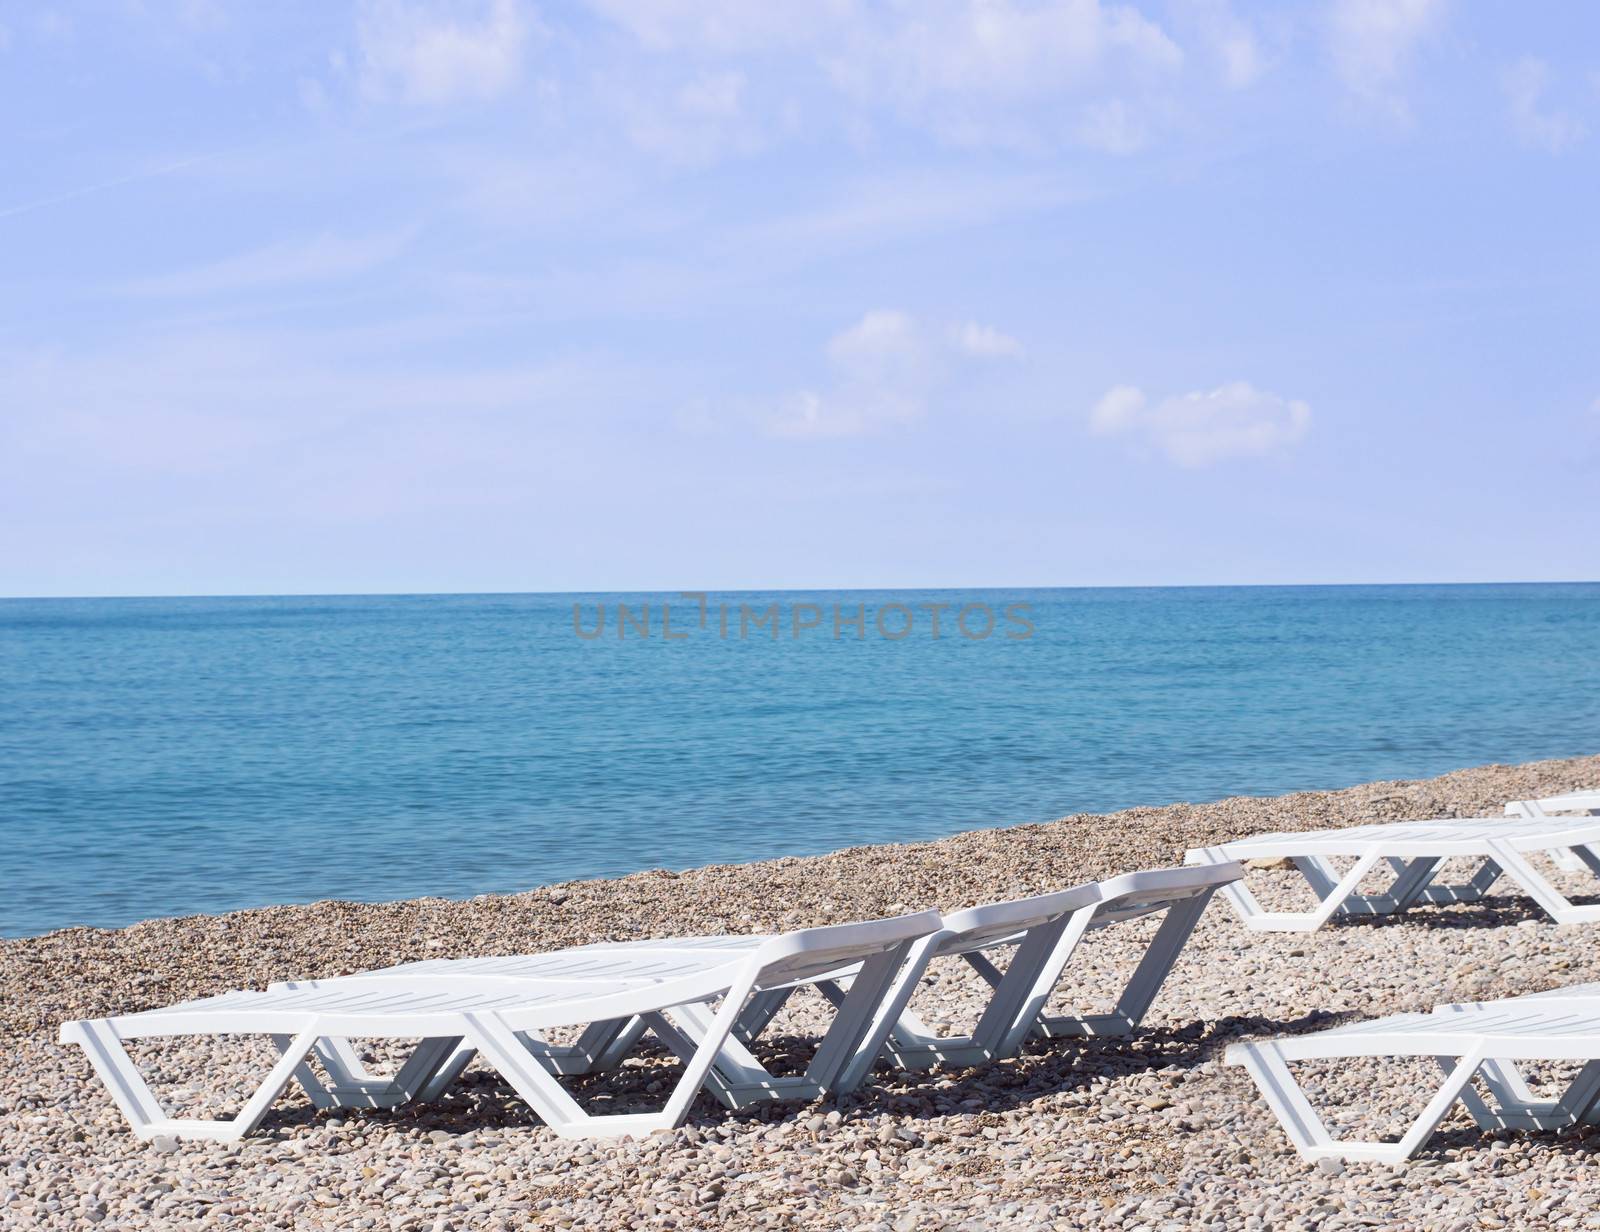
[168, 756]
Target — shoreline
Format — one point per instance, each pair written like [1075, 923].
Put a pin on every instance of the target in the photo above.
[891, 877]
[1061, 1136]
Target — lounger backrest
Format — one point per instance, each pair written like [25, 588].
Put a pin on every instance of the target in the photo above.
[1135, 894]
[978, 927]
[1121, 898]
[811, 952]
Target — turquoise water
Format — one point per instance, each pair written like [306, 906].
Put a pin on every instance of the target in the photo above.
[168, 756]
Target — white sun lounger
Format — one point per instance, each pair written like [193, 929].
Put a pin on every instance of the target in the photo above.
[1584, 803]
[1414, 851]
[1471, 1041]
[1043, 932]
[492, 1015]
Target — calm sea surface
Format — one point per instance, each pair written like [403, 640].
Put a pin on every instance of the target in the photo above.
[169, 756]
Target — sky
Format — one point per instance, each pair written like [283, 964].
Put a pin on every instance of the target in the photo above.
[518, 295]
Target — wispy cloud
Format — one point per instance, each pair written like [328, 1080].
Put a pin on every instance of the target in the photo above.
[428, 52]
[320, 258]
[999, 49]
[1113, 126]
[1525, 84]
[704, 118]
[72, 194]
[994, 72]
[1373, 41]
[1230, 41]
[724, 25]
[220, 402]
[1199, 429]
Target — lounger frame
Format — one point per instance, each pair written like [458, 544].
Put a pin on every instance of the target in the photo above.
[1414, 852]
[495, 1018]
[1483, 1042]
[1043, 933]
[1585, 803]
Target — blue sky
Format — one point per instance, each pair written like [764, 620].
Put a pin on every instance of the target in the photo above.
[509, 295]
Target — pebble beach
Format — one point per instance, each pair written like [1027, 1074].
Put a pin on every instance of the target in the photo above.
[1151, 1132]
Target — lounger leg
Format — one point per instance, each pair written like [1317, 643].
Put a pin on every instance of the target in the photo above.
[1556, 904]
[1410, 884]
[610, 1043]
[145, 1114]
[867, 1009]
[855, 1037]
[1023, 1015]
[1261, 920]
[1471, 891]
[763, 1008]
[352, 1087]
[1579, 858]
[892, 1019]
[1519, 1108]
[590, 1053]
[1147, 979]
[499, 1045]
[121, 1077]
[315, 1090]
[979, 962]
[911, 1044]
[339, 1058]
[600, 1046]
[1266, 1064]
[1319, 874]
[446, 1072]
[736, 1079]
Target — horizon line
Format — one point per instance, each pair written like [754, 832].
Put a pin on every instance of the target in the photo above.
[780, 590]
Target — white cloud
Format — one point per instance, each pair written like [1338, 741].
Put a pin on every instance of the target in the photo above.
[964, 68]
[1229, 40]
[881, 339]
[722, 25]
[984, 341]
[436, 52]
[1553, 130]
[880, 375]
[1199, 429]
[884, 370]
[995, 49]
[321, 258]
[1372, 42]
